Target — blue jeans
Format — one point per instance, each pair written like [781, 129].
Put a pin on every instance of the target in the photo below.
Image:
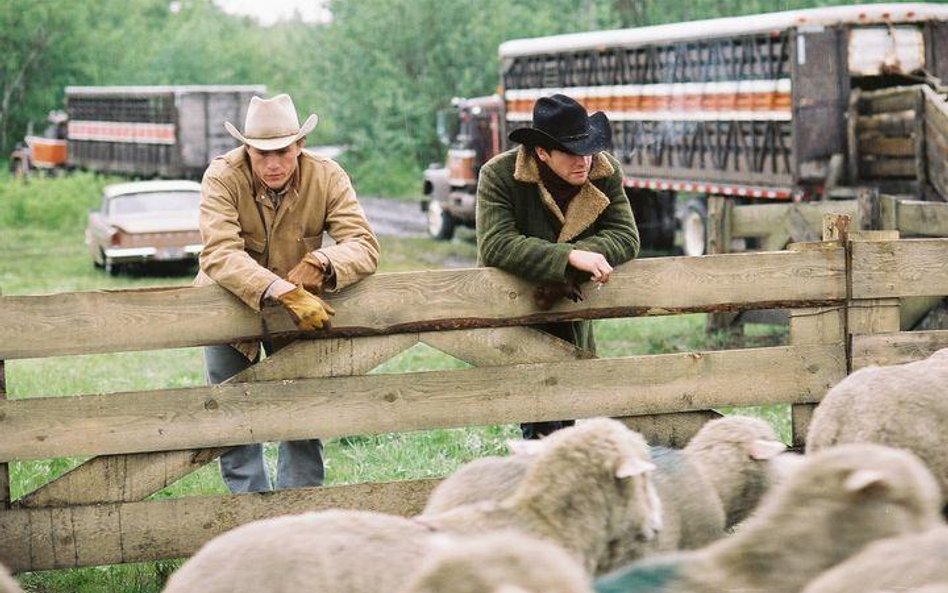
[299, 464]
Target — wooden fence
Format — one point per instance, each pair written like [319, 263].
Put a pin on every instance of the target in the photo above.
[843, 296]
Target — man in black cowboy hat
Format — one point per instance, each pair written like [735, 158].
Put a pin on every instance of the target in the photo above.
[554, 212]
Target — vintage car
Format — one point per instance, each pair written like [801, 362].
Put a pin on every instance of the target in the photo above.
[145, 222]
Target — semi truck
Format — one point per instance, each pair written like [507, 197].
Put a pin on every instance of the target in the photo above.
[754, 108]
[139, 131]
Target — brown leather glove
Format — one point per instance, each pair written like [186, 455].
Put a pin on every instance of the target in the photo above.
[308, 311]
[547, 295]
[310, 273]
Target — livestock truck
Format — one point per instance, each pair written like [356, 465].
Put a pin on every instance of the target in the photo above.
[140, 131]
[753, 107]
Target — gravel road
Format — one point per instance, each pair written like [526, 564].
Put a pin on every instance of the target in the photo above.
[396, 218]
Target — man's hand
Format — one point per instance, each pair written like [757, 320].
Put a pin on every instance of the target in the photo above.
[547, 295]
[592, 262]
[308, 311]
[310, 273]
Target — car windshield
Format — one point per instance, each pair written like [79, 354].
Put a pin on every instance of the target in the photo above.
[155, 202]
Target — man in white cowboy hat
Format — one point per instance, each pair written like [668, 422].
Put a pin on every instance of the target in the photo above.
[554, 212]
[264, 208]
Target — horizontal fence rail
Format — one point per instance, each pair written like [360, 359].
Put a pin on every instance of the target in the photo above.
[116, 321]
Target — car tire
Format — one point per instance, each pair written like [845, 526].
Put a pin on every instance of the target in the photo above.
[113, 269]
[694, 228]
[440, 222]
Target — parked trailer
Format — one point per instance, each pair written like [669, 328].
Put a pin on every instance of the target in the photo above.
[753, 108]
[153, 131]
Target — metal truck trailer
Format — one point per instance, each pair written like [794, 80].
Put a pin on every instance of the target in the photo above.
[752, 107]
[153, 131]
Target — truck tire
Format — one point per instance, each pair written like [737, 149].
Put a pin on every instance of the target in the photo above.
[440, 223]
[19, 168]
[694, 228]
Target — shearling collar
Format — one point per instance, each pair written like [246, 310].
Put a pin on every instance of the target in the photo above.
[583, 209]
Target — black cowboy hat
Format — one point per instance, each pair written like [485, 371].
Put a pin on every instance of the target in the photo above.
[559, 122]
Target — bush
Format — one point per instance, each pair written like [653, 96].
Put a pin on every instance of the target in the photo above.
[58, 203]
[395, 175]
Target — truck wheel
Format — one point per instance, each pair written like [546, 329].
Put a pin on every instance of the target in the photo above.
[19, 169]
[440, 223]
[694, 225]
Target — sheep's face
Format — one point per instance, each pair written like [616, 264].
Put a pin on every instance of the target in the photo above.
[869, 491]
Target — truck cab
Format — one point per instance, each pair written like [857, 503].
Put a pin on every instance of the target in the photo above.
[47, 151]
[472, 132]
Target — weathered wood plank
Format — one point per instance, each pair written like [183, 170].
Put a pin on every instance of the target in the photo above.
[917, 217]
[888, 100]
[91, 322]
[876, 145]
[899, 123]
[896, 347]
[503, 346]
[112, 478]
[761, 220]
[909, 267]
[89, 535]
[238, 413]
[884, 167]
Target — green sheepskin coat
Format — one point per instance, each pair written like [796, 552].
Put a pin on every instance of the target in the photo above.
[520, 228]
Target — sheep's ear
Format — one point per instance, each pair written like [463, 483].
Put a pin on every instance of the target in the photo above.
[526, 447]
[762, 449]
[864, 479]
[633, 466]
[510, 588]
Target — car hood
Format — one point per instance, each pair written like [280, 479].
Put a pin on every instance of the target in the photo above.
[161, 222]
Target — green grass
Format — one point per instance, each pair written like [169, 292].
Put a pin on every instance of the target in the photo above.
[43, 252]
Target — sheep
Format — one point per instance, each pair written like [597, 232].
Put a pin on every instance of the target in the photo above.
[589, 489]
[316, 551]
[705, 489]
[831, 506]
[501, 562]
[898, 564]
[902, 406]
[7, 583]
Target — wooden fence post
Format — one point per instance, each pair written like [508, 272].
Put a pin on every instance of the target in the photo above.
[720, 211]
[921, 156]
[5, 498]
[868, 316]
[817, 325]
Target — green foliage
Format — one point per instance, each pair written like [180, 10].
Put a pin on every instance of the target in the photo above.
[376, 74]
[60, 204]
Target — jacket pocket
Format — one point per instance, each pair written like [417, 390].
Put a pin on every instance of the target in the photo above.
[312, 243]
[254, 245]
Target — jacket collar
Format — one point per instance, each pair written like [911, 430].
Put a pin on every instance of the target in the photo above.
[584, 208]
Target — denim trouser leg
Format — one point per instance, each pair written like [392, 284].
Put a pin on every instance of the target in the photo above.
[300, 464]
[242, 467]
[536, 430]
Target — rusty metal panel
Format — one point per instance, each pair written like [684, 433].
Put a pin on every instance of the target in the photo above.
[820, 96]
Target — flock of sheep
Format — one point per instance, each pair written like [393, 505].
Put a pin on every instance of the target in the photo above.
[593, 508]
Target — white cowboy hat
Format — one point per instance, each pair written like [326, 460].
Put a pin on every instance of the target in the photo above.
[272, 124]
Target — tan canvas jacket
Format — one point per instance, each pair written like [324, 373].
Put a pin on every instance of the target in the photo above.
[247, 245]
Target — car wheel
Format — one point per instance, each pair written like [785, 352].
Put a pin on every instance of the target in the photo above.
[440, 223]
[112, 268]
[694, 223]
